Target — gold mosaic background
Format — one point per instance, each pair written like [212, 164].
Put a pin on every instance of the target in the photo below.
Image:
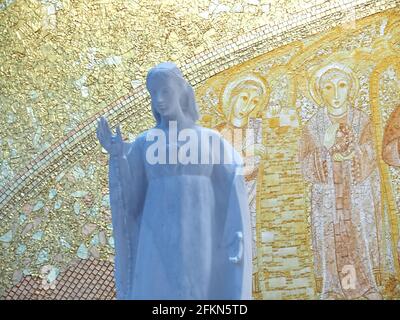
[65, 63]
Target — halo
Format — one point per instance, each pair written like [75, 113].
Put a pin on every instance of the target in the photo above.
[318, 72]
[393, 31]
[393, 26]
[252, 79]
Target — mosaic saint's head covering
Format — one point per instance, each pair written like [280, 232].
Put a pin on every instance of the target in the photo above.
[187, 98]
[241, 82]
[318, 73]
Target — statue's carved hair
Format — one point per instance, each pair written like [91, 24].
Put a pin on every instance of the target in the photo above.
[187, 98]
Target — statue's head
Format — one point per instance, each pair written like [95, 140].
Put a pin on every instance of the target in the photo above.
[334, 86]
[172, 97]
[243, 96]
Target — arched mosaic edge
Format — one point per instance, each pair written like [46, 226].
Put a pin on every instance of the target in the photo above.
[82, 140]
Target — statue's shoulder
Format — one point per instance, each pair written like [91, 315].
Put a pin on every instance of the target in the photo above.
[227, 148]
[148, 134]
[209, 132]
[137, 143]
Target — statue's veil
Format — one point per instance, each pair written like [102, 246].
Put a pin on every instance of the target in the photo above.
[187, 99]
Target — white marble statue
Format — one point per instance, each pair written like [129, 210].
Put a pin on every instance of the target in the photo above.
[180, 223]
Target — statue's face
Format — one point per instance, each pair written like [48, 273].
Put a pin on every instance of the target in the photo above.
[165, 96]
[246, 101]
[335, 89]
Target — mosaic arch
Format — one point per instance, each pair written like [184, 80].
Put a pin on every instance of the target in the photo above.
[55, 221]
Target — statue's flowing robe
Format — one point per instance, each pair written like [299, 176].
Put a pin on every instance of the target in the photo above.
[176, 226]
[350, 248]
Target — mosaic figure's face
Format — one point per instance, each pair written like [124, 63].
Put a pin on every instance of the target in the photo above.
[335, 87]
[243, 104]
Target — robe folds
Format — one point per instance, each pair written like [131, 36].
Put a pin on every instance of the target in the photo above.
[352, 251]
[177, 226]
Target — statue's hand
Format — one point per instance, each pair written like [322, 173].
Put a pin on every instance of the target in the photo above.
[113, 144]
[239, 256]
